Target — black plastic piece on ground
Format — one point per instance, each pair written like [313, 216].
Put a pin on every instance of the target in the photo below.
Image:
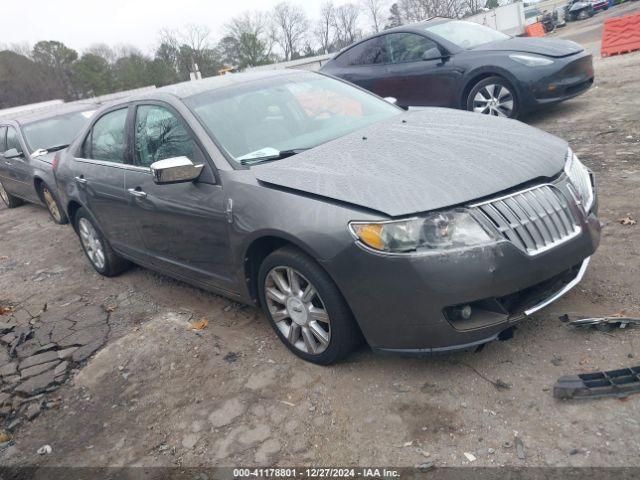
[614, 383]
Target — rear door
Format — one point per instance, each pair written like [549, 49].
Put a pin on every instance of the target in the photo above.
[183, 226]
[99, 175]
[414, 81]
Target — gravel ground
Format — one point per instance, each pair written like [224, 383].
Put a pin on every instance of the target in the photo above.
[145, 390]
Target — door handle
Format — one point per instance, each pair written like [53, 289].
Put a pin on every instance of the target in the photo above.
[137, 193]
[81, 180]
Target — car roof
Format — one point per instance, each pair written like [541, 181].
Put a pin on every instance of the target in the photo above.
[51, 112]
[190, 88]
[418, 26]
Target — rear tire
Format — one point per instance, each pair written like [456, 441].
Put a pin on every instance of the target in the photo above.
[53, 205]
[96, 247]
[9, 200]
[311, 317]
[494, 96]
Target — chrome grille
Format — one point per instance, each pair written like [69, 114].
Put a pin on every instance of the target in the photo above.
[534, 220]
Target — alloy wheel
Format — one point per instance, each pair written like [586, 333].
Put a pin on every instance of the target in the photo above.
[494, 99]
[92, 244]
[297, 310]
[3, 194]
[51, 204]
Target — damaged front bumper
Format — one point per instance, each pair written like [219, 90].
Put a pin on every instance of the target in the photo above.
[416, 304]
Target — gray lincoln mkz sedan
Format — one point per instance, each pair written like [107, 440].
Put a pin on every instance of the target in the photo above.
[341, 214]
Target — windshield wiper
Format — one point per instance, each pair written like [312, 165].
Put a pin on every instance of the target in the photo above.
[56, 148]
[44, 151]
[269, 158]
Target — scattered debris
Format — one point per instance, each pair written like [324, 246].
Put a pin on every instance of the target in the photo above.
[498, 383]
[604, 324]
[627, 221]
[231, 357]
[289, 404]
[520, 452]
[425, 466]
[4, 437]
[556, 360]
[614, 383]
[44, 450]
[199, 325]
[5, 310]
[470, 456]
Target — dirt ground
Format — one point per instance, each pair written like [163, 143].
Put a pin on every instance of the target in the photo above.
[156, 394]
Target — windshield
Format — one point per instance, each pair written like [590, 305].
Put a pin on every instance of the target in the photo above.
[281, 116]
[56, 131]
[466, 34]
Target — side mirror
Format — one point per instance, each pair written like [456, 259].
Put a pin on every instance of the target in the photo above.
[13, 153]
[433, 53]
[175, 170]
[391, 100]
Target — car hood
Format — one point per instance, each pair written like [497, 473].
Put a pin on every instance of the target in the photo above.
[550, 47]
[420, 161]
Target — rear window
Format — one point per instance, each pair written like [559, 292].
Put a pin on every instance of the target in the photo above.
[466, 34]
[55, 131]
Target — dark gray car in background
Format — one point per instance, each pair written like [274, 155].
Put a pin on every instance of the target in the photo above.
[340, 214]
[461, 64]
[28, 145]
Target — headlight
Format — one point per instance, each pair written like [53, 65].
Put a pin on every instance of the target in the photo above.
[531, 60]
[442, 230]
[580, 178]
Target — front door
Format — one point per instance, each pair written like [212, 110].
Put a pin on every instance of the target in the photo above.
[183, 226]
[415, 81]
[17, 175]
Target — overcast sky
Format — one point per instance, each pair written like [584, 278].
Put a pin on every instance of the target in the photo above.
[80, 23]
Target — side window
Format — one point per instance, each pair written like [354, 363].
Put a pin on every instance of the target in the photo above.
[3, 139]
[107, 138]
[160, 135]
[407, 47]
[370, 52]
[12, 139]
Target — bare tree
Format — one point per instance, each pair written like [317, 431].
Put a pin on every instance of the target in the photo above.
[252, 37]
[375, 9]
[103, 51]
[291, 25]
[22, 48]
[324, 30]
[345, 23]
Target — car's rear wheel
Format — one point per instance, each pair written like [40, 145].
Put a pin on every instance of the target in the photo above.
[9, 200]
[493, 96]
[102, 257]
[305, 307]
[53, 205]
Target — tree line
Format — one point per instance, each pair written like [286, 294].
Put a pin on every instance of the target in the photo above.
[50, 69]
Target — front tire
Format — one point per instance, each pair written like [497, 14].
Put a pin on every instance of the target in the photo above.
[100, 254]
[493, 96]
[9, 200]
[53, 205]
[305, 307]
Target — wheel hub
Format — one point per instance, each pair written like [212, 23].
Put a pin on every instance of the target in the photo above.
[297, 311]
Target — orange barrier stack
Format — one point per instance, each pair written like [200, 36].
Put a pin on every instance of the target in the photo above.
[621, 35]
[534, 30]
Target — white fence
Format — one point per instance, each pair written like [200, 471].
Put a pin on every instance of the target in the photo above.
[34, 107]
